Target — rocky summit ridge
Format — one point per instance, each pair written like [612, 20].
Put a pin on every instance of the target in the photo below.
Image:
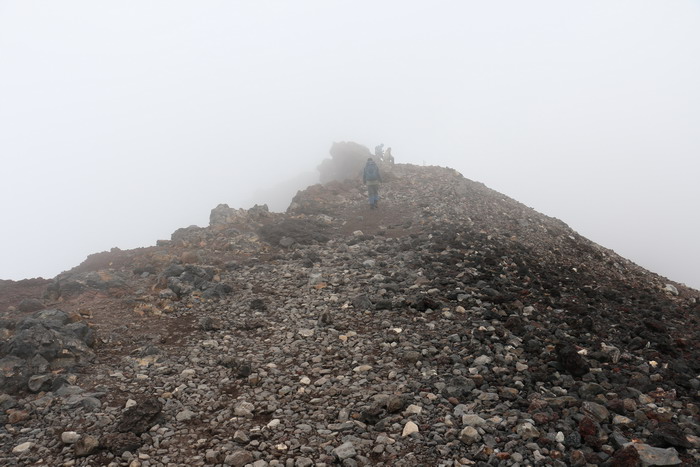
[452, 326]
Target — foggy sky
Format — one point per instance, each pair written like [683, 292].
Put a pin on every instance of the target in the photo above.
[123, 121]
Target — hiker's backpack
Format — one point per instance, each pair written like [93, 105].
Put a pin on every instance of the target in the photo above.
[371, 172]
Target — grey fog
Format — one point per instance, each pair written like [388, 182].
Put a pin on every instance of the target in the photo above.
[121, 122]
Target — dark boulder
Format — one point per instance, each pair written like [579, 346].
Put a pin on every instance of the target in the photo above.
[14, 374]
[459, 387]
[669, 435]
[179, 287]
[87, 445]
[174, 270]
[384, 304]
[258, 304]
[103, 281]
[198, 276]
[373, 413]
[362, 302]
[81, 331]
[119, 443]
[38, 383]
[570, 360]
[53, 319]
[30, 305]
[515, 325]
[49, 343]
[626, 457]
[217, 291]
[45, 341]
[140, 417]
[64, 287]
[423, 303]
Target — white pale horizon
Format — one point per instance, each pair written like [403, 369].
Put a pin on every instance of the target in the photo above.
[121, 122]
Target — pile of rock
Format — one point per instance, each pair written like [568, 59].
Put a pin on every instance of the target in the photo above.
[185, 280]
[451, 327]
[36, 348]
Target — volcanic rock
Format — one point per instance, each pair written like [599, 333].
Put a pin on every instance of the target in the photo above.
[571, 361]
[453, 325]
[30, 305]
[140, 417]
[86, 446]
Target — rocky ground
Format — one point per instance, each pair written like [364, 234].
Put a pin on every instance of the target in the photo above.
[452, 326]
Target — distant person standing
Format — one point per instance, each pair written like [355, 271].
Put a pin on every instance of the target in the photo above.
[372, 179]
[388, 157]
[379, 152]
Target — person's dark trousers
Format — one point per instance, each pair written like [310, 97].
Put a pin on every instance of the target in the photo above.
[373, 194]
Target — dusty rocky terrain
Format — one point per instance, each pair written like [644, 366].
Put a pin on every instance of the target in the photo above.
[452, 326]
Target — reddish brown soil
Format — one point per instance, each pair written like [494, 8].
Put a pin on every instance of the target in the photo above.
[13, 292]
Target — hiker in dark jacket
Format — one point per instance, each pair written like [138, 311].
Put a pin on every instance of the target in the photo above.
[372, 179]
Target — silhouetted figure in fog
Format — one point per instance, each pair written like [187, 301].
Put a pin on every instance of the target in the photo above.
[372, 179]
[388, 157]
[379, 152]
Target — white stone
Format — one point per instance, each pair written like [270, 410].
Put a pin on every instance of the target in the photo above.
[240, 437]
[20, 448]
[527, 430]
[244, 409]
[409, 428]
[274, 423]
[70, 437]
[185, 415]
[469, 435]
[482, 360]
[622, 420]
[472, 420]
[671, 289]
[413, 410]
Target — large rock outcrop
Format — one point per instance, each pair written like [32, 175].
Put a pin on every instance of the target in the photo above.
[346, 161]
[49, 340]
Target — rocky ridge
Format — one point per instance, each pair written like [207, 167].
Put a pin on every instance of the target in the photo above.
[453, 326]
